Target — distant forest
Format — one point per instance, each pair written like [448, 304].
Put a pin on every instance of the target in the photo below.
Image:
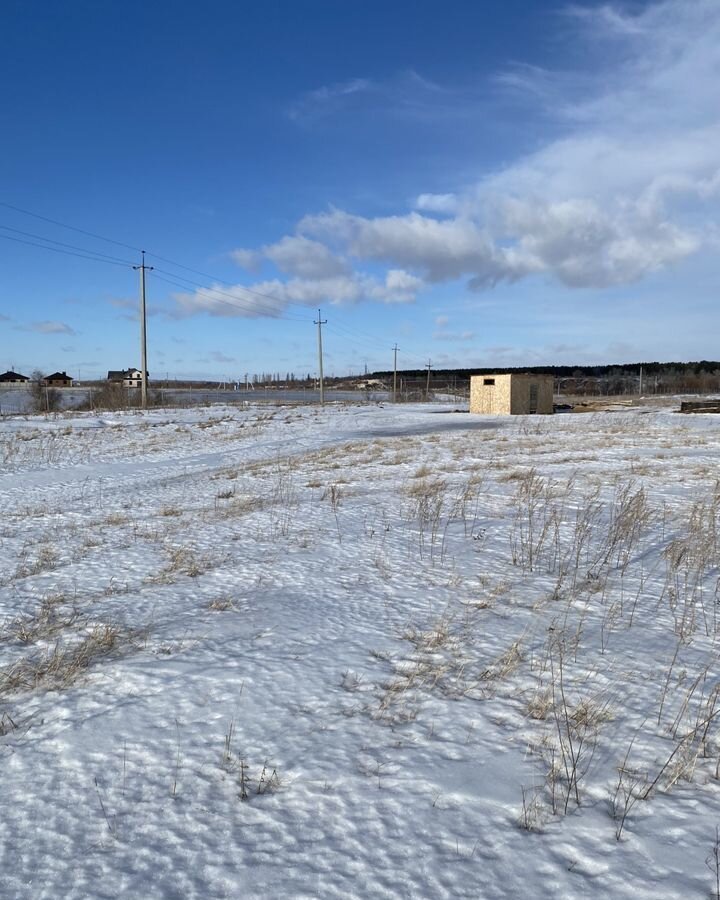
[698, 377]
[649, 368]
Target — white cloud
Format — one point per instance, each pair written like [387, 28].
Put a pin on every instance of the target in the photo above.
[48, 327]
[325, 100]
[405, 95]
[442, 335]
[271, 298]
[295, 255]
[628, 185]
[217, 356]
[437, 203]
[232, 301]
[401, 286]
[584, 244]
[305, 258]
[247, 259]
[132, 304]
[439, 249]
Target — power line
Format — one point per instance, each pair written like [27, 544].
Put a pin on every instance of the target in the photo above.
[237, 303]
[85, 253]
[99, 237]
[40, 237]
[267, 297]
[274, 306]
[346, 333]
[364, 336]
[138, 250]
[8, 237]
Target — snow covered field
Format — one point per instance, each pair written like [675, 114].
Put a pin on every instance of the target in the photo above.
[359, 652]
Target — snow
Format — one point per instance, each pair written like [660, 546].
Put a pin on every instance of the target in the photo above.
[407, 617]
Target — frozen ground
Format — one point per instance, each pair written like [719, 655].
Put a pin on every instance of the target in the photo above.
[359, 652]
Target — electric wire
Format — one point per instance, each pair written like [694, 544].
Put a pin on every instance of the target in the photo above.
[274, 307]
[347, 334]
[40, 237]
[269, 299]
[95, 254]
[236, 303]
[99, 237]
[8, 237]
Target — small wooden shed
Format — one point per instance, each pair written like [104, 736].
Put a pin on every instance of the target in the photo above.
[516, 394]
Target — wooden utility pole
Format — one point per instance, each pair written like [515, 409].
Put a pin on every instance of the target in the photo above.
[427, 386]
[320, 322]
[143, 332]
[395, 350]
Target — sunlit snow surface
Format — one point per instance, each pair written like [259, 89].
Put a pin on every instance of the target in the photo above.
[407, 617]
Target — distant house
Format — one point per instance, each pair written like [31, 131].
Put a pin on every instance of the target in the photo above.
[131, 378]
[13, 378]
[519, 393]
[58, 379]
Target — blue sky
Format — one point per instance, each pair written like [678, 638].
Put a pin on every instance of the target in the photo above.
[484, 184]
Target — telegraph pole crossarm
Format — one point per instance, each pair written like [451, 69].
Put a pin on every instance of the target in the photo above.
[143, 331]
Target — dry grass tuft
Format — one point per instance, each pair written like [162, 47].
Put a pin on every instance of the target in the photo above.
[59, 666]
[540, 704]
[422, 472]
[221, 604]
[115, 519]
[51, 618]
[46, 560]
[184, 561]
[239, 506]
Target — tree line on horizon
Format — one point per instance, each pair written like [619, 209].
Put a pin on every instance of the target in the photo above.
[696, 377]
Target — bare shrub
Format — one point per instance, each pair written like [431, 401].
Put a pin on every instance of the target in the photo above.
[576, 726]
[42, 397]
[631, 786]
[428, 501]
[630, 516]
[533, 518]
